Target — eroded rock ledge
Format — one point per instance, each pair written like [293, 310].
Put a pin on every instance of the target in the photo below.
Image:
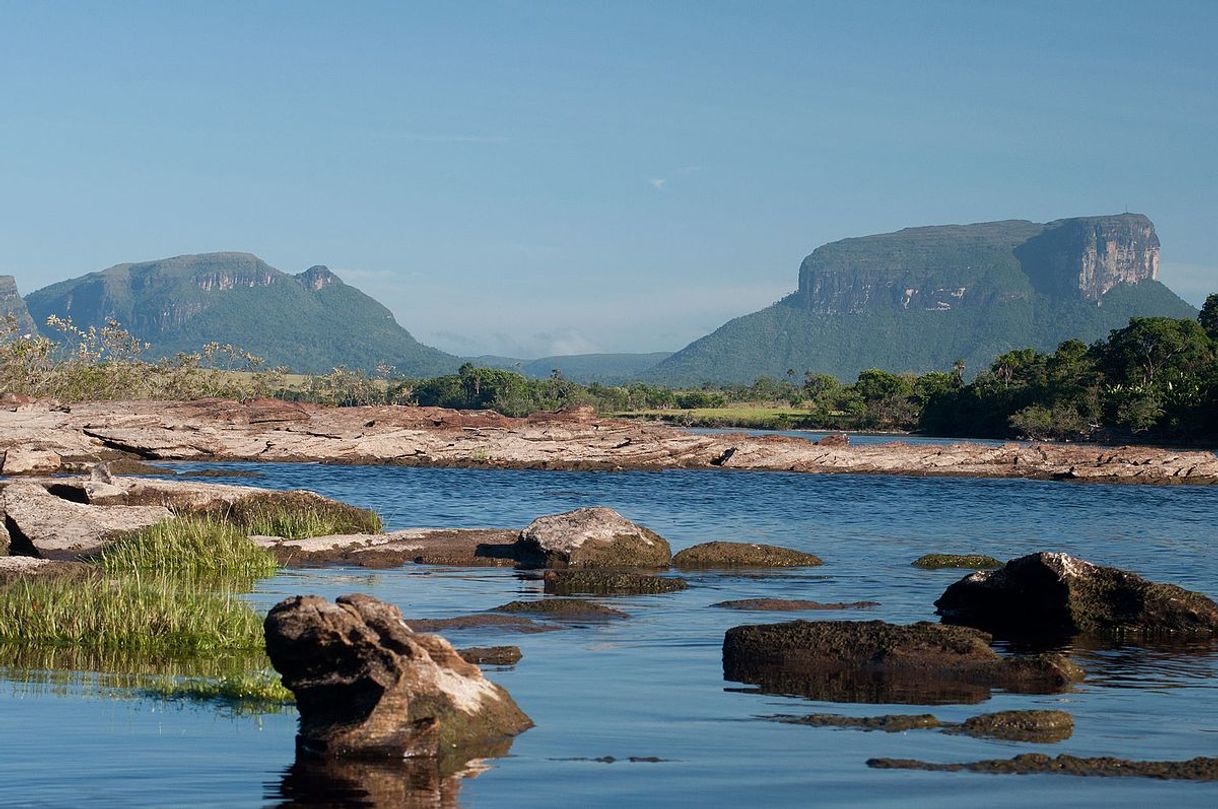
[421, 436]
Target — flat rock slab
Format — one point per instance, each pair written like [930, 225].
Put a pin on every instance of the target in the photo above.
[15, 568]
[423, 436]
[51, 527]
[25, 460]
[741, 554]
[464, 547]
[483, 620]
[791, 605]
[1052, 594]
[491, 655]
[1201, 768]
[967, 561]
[874, 661]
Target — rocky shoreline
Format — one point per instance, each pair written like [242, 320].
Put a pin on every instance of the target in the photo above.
[50, 436]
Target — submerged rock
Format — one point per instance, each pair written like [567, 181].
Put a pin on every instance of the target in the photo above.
[570, 609]
[592, 537]
[1196, 769]
[969, 561]
[1020, 726]
[368, 685]
[1052, 594]
[791, 605]
[874, 661]
[482, 620]
[491, 655]
[599, 582]
[888, 723]
[742, 554]
[465, 547]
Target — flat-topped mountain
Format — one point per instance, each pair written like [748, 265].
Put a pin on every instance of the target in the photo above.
[310, 322]
[11, 305]
[921, 298]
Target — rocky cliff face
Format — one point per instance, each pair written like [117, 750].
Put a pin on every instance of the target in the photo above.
[963, 266]
[11, 305]
[318, 277]
[1087, 257]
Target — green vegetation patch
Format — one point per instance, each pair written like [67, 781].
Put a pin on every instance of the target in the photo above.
[133, 613]
[968, 561]
[189, 546]
[241, 693]
[295, 515]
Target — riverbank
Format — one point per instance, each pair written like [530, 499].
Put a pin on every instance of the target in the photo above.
[275, 431]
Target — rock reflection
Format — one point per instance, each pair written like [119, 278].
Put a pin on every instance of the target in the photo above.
[404, 784]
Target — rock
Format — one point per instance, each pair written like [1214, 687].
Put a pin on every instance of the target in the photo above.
[425, 436]
[23, 460]
[834, 440]
[604, 583]
[482, 620]
[1196, 769]
[874, 661]
[367, 685]
[969, 561]
[51, 527]
[1020, 726]
[791, 604]
[1052, 594]
[888, 723]
[491, 655]
[132, 466]
[14, 568]
[568, 609]
[741, 554]
[592, 537]
[465, 547]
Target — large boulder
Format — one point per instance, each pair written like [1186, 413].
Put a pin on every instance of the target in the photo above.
[367, 685]
[874, 661]
[591, 537]
[1052, 594]
[44, 525]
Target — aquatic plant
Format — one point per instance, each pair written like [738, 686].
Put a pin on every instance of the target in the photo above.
[136, 613]
[189, 546]
[240, 692]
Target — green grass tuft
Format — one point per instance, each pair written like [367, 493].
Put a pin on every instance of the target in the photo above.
[136, 614]
[296, 515]
[190, 546]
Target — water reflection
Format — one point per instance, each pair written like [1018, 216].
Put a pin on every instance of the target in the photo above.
[408, 784]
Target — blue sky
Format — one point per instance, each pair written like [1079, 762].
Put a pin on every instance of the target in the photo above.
[531, 178]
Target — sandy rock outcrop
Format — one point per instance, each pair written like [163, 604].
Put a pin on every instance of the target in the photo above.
[367, 685]
[26, 460]
[874, 661]
[1052, 594]
[50, 527]
[592, 537]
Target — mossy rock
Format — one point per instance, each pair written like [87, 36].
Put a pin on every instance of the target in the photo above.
[742, 554]
[591, 538]
[966, 561]
[571, 609]
[294, 515]
[1021, 726]
[608, 582]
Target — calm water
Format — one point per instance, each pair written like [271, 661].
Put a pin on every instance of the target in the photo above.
[653, 685]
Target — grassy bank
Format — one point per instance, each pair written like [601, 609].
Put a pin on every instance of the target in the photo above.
[190, 546]
[749, 417]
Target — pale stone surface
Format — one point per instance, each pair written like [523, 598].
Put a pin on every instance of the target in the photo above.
[593, 537]
[25, 460]
[54, 528]
[433, 436]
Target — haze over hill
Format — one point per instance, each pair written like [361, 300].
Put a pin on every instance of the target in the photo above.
[921, 298]
[11, 305]
[310, 322]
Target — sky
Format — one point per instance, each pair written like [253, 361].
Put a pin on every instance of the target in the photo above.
[536, 178]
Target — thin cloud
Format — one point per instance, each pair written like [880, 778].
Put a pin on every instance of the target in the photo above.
[658, 183]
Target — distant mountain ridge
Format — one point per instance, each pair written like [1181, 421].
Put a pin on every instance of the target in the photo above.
[920, 298]
[607, 369]
[12, 305]
[310, 322]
